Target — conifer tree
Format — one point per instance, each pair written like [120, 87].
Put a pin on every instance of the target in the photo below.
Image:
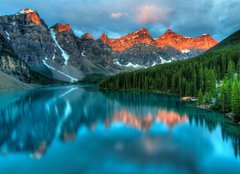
[200, 97]
[235, 98]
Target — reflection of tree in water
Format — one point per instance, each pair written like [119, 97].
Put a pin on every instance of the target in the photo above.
[201, 118]
[32, 122]
[231, 132]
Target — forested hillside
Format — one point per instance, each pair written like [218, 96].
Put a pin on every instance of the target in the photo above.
[202, 75]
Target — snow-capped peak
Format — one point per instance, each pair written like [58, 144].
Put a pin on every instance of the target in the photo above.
[25, 11]
[205, 34]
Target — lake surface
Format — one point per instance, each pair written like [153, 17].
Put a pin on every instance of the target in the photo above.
[73, 130]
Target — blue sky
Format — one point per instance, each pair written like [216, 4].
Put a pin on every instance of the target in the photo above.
[119, 17]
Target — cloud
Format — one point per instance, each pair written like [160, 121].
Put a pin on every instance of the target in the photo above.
[219, 18]
[117, 15]
[150, 13]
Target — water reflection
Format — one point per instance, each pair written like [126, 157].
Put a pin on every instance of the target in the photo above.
[144, 123]
[30, 122]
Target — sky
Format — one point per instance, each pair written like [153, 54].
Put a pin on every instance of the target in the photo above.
[116, 18]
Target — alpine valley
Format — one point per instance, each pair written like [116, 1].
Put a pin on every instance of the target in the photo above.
[105, 86]
[32, 52]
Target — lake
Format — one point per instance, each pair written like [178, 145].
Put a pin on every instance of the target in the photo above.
[78, 129]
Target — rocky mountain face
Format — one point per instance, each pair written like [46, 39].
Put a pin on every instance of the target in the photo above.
[10, 63]
[139, 37]
[95, 50]
[144, 55]
[57, 53]
[168, 39]
[183, 43]
[53, 52]
[66, 41]
[139, 49]
[29, 37]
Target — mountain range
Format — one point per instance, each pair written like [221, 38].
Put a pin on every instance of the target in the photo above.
[33, 52]
[201, 74]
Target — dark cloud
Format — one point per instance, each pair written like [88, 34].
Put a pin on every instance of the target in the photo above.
[118, 17]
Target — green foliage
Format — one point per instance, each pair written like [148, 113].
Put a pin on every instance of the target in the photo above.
[92, 79]
[189, 77]
[235, 100]
[200, 98]
[225, 97]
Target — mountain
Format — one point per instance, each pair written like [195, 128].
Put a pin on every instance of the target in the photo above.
[96, 51]
[51, 52]
[12, 69]
[168, 39]
[140, 50]
[183, 43]
[57, 54]
[11, 83]
[187, 77]
[10, 63]
[141, 36]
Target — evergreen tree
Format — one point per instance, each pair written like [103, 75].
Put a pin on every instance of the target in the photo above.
[235, 98]
[230, 70]
[225, 97]
[210, 81]
[200, 97]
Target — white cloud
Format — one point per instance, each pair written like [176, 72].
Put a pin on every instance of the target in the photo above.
[117, 15]
[216, 17]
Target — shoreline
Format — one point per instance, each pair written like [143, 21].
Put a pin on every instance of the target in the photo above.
[229, 115]
[203, 107]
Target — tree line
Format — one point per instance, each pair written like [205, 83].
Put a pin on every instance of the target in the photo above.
[214, 74]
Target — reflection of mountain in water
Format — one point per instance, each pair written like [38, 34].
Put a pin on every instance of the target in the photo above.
[144, 123]
[140, 102]
[31, 121]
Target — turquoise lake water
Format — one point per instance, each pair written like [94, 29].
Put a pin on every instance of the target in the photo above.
[78, 130]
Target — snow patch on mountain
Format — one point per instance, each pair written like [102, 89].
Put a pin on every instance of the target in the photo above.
[25, 11]
[134, 65]
[8, 36]
[129, 65]
[64, 54]
[164, 61]
[185, 51]
[83, 54]
[154, 64]
[72, 79]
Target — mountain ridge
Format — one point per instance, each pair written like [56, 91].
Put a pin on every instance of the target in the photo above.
[56, 52]
[168, 39]
[176, 78]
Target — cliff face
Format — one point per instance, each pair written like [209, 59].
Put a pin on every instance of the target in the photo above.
[141, 36]
[139, 49]
[95, 50]
[59, 28]
[66, 41]
[144, 55]
[10, 63]
[180, 42]
[168, 39]
[30, 38]
[53, 50]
